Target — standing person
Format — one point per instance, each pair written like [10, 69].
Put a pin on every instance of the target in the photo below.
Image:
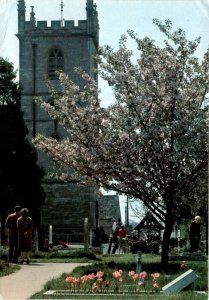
[194, 234]
[25, 227]
[11, 225]
[115, 235]
[122, 232]
[122, 239]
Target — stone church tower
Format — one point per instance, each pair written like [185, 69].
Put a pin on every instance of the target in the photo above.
[42, 50]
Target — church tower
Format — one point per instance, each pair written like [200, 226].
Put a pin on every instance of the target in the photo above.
[42, 50]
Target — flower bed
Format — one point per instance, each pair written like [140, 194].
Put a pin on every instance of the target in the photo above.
[99, 283]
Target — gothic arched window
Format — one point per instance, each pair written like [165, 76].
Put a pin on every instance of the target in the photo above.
[55, 62]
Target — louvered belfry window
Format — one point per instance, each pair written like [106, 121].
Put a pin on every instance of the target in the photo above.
[55, 62]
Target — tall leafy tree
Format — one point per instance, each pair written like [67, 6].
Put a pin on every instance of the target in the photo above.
[151, 144]
[20, 174]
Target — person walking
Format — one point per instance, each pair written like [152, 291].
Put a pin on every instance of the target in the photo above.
[194, 234]
[24, 227]
[11, 225]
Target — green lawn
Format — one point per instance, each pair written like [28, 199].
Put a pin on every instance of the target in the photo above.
[127, 262]
[6, 268]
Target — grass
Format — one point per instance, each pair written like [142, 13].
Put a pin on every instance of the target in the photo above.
[6, 268]
[180, 296]
[127, 262]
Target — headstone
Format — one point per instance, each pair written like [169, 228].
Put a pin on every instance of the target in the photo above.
[180, 282]
[86, 234]
[138, 262]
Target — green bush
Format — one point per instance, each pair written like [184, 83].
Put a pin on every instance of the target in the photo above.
[64, 254]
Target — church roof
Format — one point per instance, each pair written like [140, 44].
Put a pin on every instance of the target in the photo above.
[149, 221]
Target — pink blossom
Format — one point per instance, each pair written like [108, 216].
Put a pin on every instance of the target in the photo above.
[99, 274]
[91, 276]
[143, 275]
[73, 280]
[69, 279]
[131, 273]
[135, 276]
[116, 274]
[84, 278]
[94, 287]
[155, 285]
[155, 275]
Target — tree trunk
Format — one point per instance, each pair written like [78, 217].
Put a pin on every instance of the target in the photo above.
[166, 240]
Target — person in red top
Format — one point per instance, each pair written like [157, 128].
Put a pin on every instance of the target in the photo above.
[122, 232]
[122, 240]
[11, 225]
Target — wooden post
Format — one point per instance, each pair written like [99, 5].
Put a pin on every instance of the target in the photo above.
[110, 244]
[36, 240]
[50, 235]
[86, 234]
[179, 239]
[90, 236]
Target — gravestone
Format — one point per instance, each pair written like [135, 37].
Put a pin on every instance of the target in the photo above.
[180, 282]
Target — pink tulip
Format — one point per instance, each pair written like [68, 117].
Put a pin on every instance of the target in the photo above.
[155, 285]
[84, 278]
[116, 274]
[99, 274]
[94, 287]
[143, 275]
[91, 276]
[155, 275]
[131, 273]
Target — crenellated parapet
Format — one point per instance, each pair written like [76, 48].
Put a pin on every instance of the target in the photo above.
[68, 27]
[90, 26]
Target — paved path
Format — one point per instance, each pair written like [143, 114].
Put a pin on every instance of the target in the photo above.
[31, 278]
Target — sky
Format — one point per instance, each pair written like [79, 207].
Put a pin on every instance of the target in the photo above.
[115, 18]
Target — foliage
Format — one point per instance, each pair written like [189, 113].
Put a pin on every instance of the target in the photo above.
[9, 92]
[64, 254]
[6, 268]
[151, 144]
[20, 175]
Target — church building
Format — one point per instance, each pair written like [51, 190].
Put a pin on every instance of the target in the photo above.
[43, 49]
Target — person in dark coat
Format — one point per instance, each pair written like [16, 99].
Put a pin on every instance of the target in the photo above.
[194, 234]
[11, 225]
[25, 227]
